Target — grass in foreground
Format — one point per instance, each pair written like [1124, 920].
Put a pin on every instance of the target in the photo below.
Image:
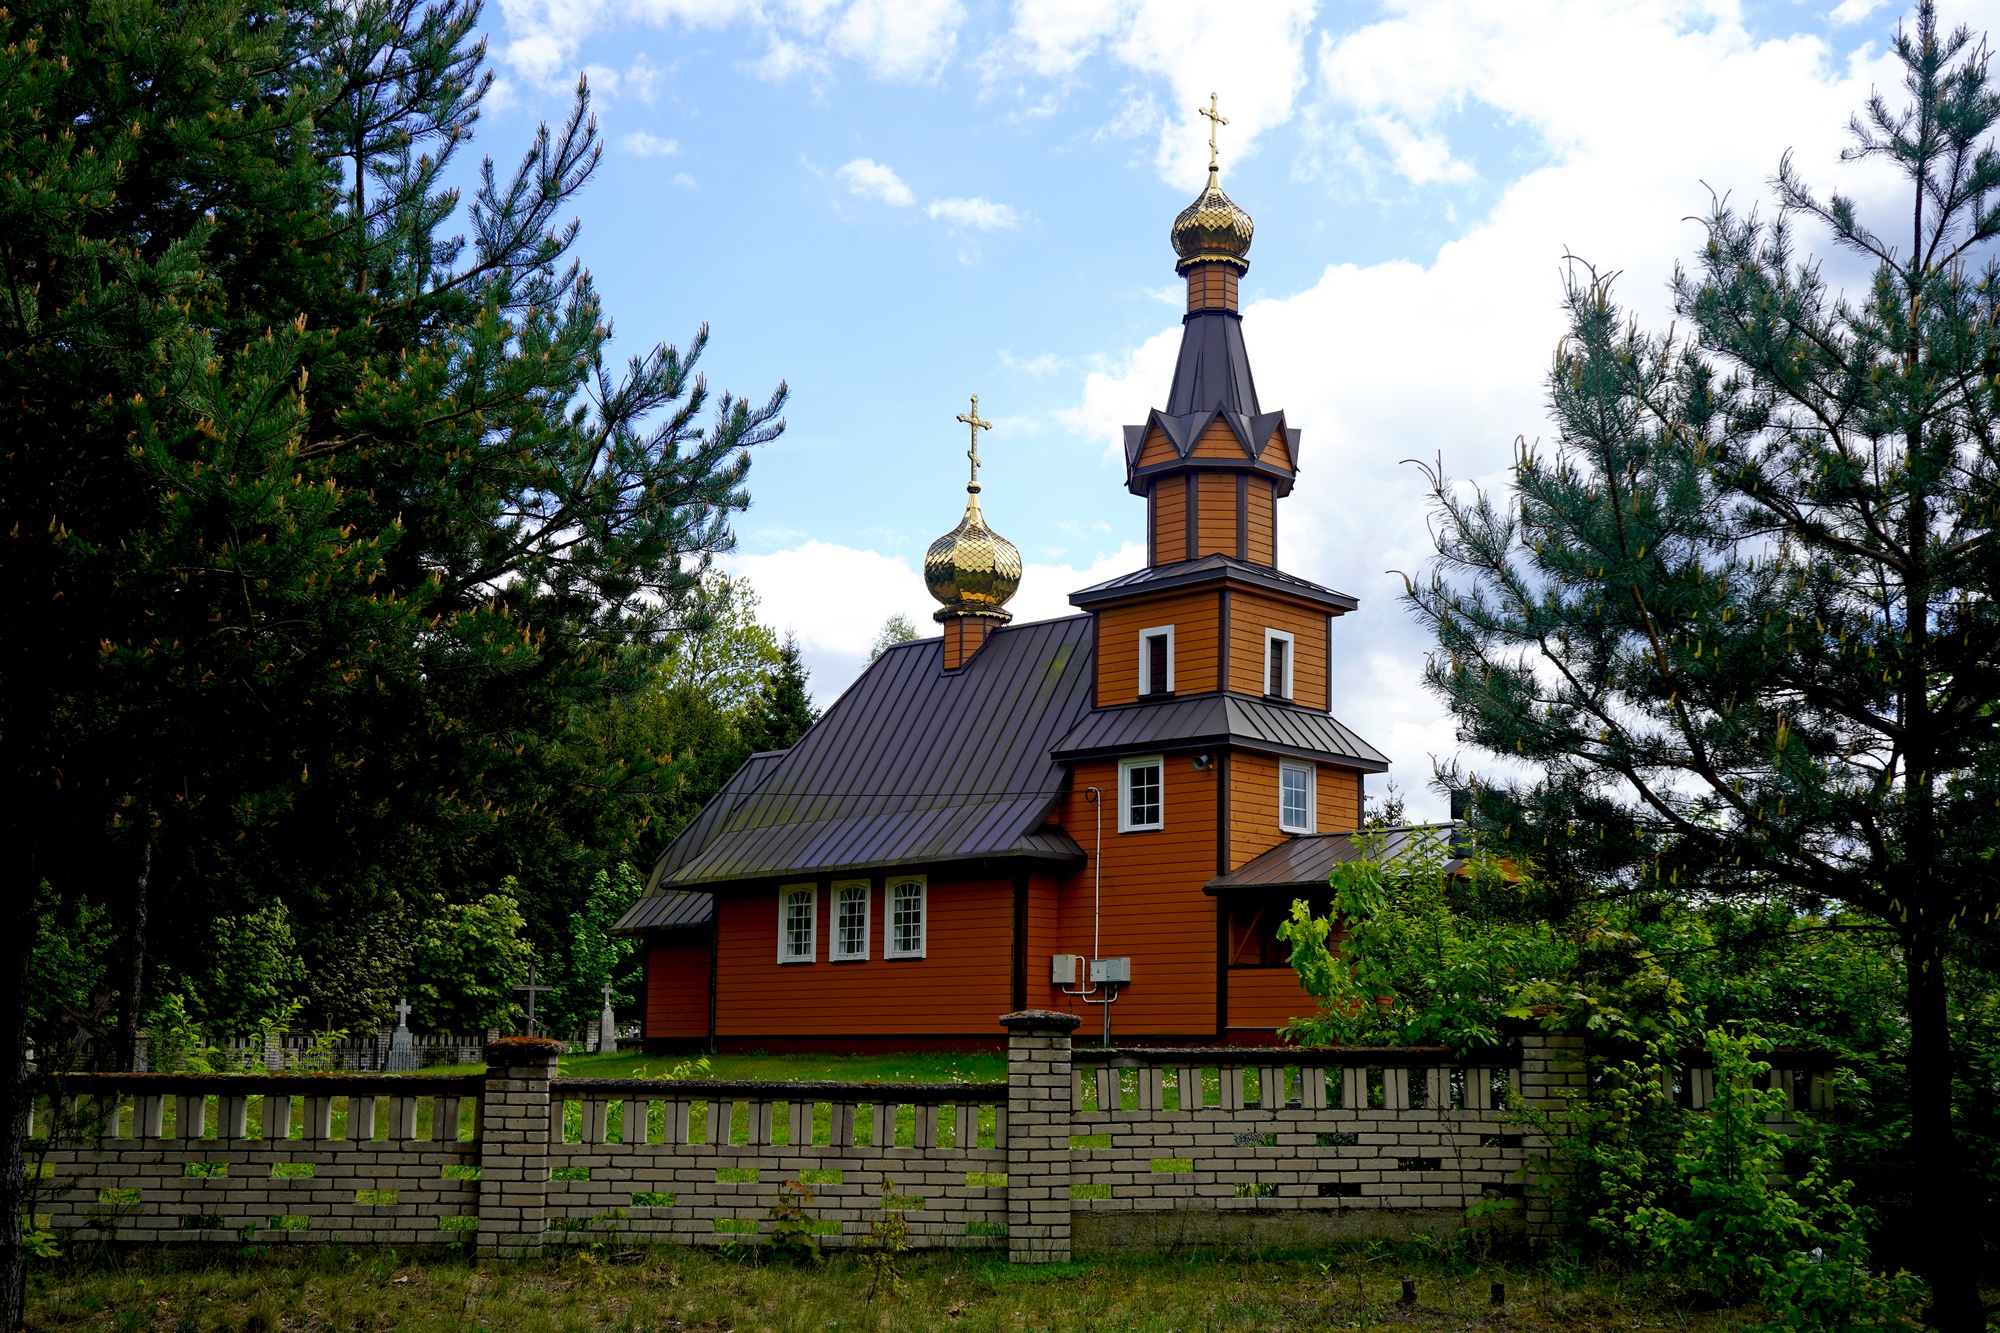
[690, 1291]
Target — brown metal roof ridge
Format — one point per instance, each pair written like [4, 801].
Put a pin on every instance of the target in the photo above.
[1210, 569]
[911, 766]
[1236, 720]
[1306, 860]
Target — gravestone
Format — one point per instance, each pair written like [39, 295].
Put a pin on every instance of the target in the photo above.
[607, 1027]
[402, 1050]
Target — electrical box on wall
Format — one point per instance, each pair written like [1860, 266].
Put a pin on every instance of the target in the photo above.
[1064, 972]
[1118, 970]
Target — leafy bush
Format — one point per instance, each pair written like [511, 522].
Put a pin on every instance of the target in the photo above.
[466, 960]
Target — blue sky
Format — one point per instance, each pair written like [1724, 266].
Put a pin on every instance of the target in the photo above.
[893, 205]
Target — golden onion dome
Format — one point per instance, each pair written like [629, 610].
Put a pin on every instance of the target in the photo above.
[972, 569]
[1212, 228]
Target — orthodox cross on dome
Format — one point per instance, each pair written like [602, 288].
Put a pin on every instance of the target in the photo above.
[975, 425]
[1215, 120]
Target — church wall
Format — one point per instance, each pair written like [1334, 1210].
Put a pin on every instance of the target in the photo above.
[1253, 807]
[677, 991]
[1154, 909]
[1195, 619]
[1156, 448]
[1215, 520]
[1339, 799]
[964, 980]
[1218, 441]
[1263, 999]
[1275, 451]
[1250, 614]
[1169, 520]
[1263, 515]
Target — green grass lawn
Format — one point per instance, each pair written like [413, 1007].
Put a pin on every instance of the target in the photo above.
[694, 1291]
[921, 1067]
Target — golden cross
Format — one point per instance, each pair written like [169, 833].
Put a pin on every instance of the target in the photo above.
[975, 425]
[1215, 119]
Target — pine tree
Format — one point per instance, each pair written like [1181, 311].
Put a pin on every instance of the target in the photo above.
[783, 709]
[1743, 619]
[323, 531]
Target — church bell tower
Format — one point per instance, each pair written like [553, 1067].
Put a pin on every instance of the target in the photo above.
[1212, 463]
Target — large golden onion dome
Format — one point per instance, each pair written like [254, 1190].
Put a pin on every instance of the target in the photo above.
[1213, 228]
[972, 569]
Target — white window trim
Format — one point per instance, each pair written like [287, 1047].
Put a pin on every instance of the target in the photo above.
[889, 949]
[1291, 659]
[1147, 687]
[785, 892]
[1312, 798]
[833, 942]
[1125, 767]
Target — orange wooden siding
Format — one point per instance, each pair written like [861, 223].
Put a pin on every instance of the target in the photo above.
[1216, 519]
[1253, 807]
[1156, 448]
[1250, 614]
[1276, 452]
[1170, 520]
[1265, 998]
[1195, 618]
[964, 981]
[677, 990]
[1339, 799]
[1218, 441]
[1263, 516]
[1212, 287]
[1154, 910]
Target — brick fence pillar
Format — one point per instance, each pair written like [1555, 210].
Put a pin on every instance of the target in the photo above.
[514, 1145]
[1552, 1077]
[1038, 1153]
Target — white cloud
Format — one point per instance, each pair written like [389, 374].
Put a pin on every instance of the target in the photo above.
[641, 144]
[1422, 159]
[976, 214]
[1252, 55]
[871, 180]
[899, 39]
[1849, 12]
[685, 181]
[892, 39]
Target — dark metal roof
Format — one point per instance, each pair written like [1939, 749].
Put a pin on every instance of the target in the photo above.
[666, 911]
[701, 830]
[1212, 379]
[912, 765]
[1219, 719]
[1211, 569]
[1307, 860]
[1213, 372]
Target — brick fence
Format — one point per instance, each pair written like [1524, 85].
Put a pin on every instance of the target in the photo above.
[1079, 1150]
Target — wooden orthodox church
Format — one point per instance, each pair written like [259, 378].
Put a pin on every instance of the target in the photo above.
[1106, 812]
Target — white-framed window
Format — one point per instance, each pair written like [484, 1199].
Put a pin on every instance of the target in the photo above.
[850, 920]
[1142, 796]
[1278, 663]
[1295, 798]
[798, 922]
[906, 920]
[1156, 660]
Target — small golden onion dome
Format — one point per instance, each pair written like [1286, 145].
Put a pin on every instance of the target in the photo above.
[1212, 228]
[972, 569]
